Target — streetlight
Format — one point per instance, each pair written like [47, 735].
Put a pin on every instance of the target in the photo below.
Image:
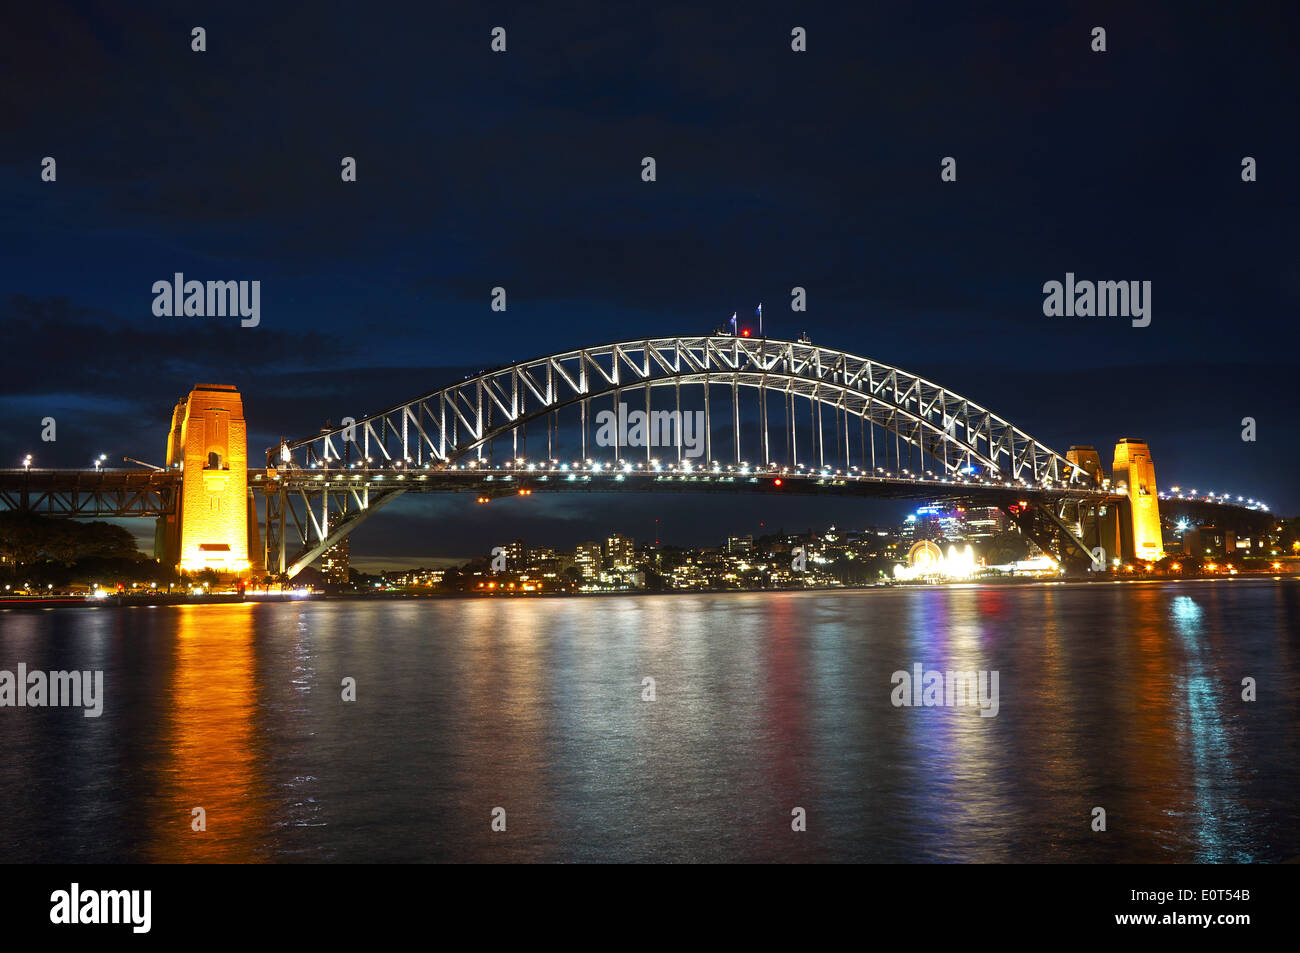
[99, 460]
[27, 462]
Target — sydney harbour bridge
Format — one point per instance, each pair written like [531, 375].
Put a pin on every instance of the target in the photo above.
[714, 413]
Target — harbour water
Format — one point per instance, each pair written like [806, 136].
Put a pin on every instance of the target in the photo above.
[1126, 697]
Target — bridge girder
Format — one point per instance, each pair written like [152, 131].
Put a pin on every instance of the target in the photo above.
[88, 494]
[440, 428]
[447, 424]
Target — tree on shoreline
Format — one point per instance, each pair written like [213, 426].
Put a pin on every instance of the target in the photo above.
[62, 551]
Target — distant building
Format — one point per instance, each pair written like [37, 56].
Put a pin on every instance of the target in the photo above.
[540, 556]
[516, 555]
[417, 577]
[622, 580]
[588, 558]
[939, 521]
[1209, 541]
[740, 544]
[620, 551]
[336, 562]
[933, 522]
[982, 522]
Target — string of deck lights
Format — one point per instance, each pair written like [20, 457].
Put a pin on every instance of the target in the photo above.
[591, 467]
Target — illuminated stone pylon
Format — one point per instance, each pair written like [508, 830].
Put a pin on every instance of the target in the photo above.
[208, 442]
[1088, 460]
[1096, 524]
[1135, 475]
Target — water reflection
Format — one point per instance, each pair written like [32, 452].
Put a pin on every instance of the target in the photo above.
[207, 752]
[1202, 728]
[1125, 697]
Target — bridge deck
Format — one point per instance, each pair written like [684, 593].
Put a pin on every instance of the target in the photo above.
[120, 493]
[90, 493]
[504, 482]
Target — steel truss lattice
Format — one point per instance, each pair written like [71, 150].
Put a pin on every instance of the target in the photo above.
[436, 430]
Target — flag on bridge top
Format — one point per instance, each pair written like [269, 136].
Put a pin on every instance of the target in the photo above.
[733, 322]
[760, 319]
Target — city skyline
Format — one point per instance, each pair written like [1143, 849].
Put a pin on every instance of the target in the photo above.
[942, 522]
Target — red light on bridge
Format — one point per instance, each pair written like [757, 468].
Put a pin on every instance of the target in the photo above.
[745, 333]
[776, 482]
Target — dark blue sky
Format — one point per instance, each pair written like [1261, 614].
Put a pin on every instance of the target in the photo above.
[775, 169]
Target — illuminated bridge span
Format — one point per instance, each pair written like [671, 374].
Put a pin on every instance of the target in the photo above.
[722, 413]
[948, 432]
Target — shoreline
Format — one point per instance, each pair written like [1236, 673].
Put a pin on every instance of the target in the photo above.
[162, 601]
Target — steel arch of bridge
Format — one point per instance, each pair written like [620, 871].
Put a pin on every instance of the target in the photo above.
[434, 431]
[445, 425]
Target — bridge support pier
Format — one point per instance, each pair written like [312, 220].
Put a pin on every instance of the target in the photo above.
[209, 528]
[328, 514]
[1135, 474]
[1039, 523]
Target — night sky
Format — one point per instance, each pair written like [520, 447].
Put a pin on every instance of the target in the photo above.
[775, 169]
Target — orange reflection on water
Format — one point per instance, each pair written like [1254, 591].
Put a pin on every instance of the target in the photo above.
[209, 742]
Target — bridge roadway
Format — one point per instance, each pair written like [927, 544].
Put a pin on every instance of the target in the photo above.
[90, 493]
[333, 501]
[510, 481]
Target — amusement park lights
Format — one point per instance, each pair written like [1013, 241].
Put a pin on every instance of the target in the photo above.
[927, 560]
